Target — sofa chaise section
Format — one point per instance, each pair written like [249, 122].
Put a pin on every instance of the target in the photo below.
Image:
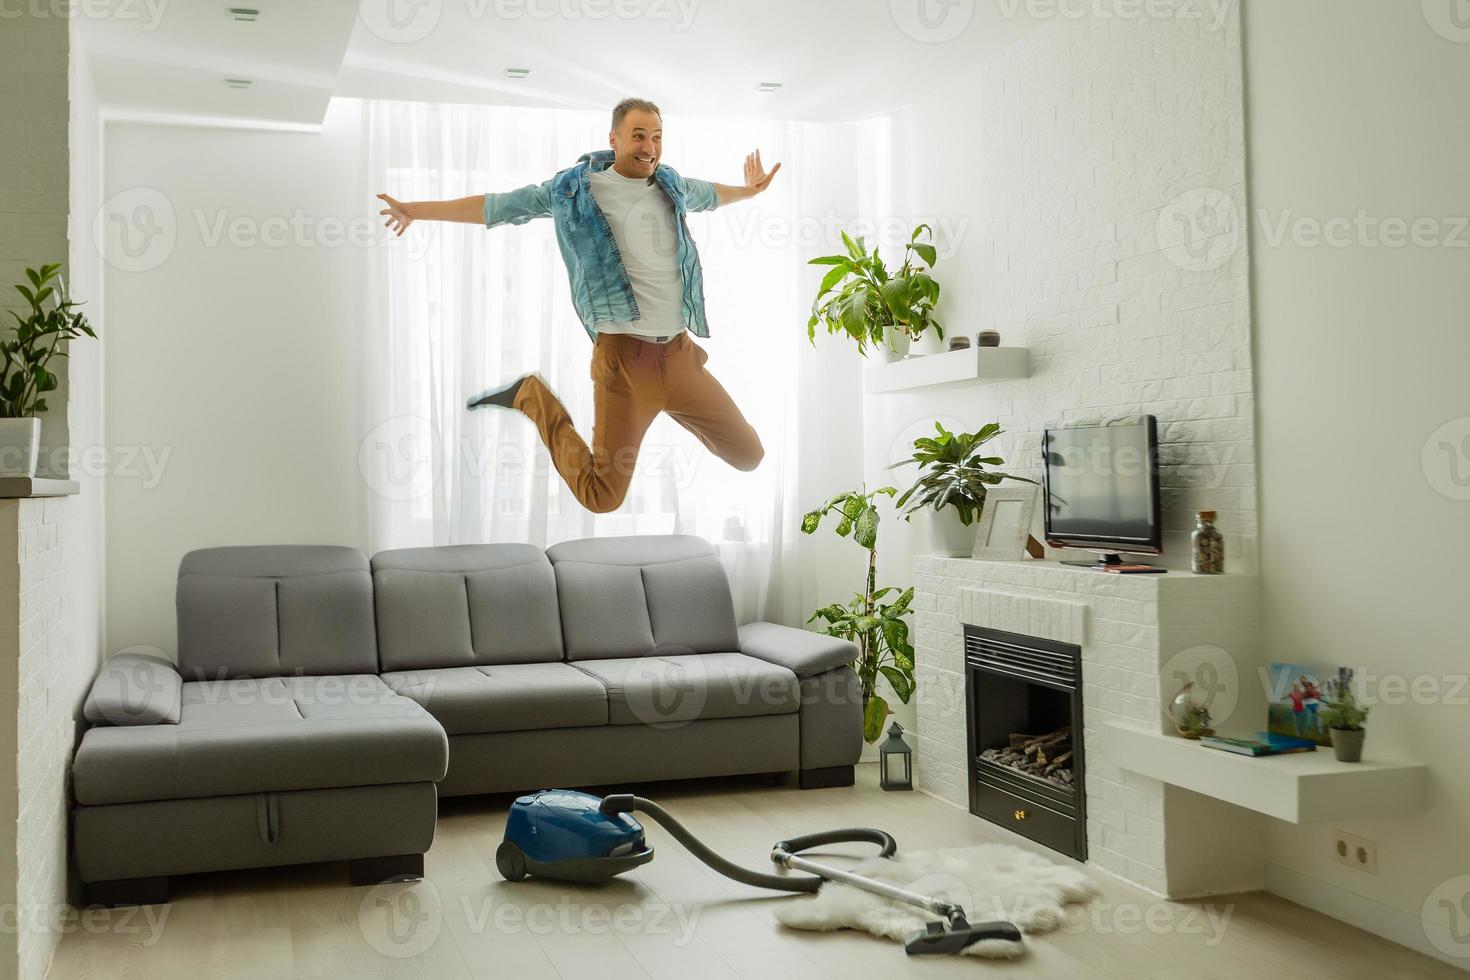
[273, 742]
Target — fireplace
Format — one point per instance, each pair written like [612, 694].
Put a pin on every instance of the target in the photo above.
[1023, 716]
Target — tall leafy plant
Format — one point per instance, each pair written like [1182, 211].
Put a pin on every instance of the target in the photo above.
[861, 298]
[25, 371]
[952, 472]
[877, 627]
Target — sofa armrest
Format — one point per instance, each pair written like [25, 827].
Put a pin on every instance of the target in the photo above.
[135, 689]
[802, 652]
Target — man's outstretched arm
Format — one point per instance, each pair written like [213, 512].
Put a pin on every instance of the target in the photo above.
[756, 181]
[513, 207]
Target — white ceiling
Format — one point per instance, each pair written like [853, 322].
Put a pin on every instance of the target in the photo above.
[836, 59]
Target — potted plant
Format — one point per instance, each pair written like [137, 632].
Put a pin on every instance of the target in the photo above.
[25, 375]
[1344, 717]
[877, 627]
[861, 298]
[951, 485]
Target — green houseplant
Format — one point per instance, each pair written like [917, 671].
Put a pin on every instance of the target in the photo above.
[951, 484]
[1344, 717]
[859, 297]
[877, 627]
[25, 372]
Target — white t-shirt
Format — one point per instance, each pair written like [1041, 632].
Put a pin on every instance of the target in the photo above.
[642, 221]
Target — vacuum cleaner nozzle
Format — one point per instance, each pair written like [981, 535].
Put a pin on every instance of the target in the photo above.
[955, 934]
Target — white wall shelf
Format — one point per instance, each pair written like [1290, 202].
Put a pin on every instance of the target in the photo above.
[1307, 787]
[973, 365]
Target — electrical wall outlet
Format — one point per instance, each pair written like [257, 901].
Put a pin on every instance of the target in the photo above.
[1355, 852]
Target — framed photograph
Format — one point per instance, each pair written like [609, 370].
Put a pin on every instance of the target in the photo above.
[1296, 692]
[1005, 523]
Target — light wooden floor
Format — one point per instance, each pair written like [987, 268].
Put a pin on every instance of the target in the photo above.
[674, 918]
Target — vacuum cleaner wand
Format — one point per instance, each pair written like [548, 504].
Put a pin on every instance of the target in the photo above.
[949, 935]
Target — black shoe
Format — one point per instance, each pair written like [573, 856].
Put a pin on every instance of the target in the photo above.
[504, 396]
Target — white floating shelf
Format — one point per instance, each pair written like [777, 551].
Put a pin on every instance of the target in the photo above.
[1308, 787]
[973, 365]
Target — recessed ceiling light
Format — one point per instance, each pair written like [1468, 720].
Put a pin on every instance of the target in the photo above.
[517, 73]
[767, 87]
[238, 82]
[247, 15]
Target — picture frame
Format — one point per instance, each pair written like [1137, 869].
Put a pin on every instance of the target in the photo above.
[1005, 523]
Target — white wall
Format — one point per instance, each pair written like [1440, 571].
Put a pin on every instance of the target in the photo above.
[1048, 184]
[84, 369]
[232, 358]
[1361, 355]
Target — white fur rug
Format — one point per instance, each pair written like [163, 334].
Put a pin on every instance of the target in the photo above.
[990, 881]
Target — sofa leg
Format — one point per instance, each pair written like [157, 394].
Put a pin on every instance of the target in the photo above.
[825, 778]
[127, 891]
[379, 870]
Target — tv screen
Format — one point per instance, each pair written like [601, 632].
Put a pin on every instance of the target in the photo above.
[1101, 485]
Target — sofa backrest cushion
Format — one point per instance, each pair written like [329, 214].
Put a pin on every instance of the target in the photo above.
[268, 610]
[641, 594]
[464, 605]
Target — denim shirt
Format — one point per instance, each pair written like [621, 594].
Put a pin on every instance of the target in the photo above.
[601, 292]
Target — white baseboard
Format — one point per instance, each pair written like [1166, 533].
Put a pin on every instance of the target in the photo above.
[1382, 920]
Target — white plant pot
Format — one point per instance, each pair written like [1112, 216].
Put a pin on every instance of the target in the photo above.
[20, 443]
[947, 536]
[929, 342]
[895, 345]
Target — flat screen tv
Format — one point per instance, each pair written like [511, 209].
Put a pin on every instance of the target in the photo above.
[1101, 486]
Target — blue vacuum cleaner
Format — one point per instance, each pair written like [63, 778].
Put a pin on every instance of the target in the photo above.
[566, 835]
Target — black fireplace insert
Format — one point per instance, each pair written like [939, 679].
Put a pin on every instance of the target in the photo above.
[1023, 716]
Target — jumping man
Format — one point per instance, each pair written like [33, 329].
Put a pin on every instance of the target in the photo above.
[638, 289]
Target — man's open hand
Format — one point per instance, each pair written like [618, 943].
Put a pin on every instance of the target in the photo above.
[398, 217]
[756, 177]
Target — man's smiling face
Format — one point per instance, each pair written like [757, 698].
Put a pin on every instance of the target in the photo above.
[637, 144]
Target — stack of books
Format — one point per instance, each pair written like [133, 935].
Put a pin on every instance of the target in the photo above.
[1265, 743]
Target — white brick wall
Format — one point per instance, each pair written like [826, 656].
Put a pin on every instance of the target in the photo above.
[38, 730]
[1134, 632]
[1077, 144]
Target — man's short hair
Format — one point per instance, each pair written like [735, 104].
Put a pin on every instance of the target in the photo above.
[628, 105]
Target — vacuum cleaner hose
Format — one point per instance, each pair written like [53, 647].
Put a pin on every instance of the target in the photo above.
[628, 803]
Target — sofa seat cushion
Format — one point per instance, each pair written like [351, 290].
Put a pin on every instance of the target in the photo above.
[505, 697]
[679, 689]
[259, 735]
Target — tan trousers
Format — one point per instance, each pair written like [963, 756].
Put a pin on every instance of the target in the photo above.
[632, 381]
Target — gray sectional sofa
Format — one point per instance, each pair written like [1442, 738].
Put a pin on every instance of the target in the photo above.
[322, 703]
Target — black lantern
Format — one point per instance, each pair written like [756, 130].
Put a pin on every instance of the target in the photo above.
[893, 754]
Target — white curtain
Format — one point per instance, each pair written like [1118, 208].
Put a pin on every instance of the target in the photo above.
[454, 309]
